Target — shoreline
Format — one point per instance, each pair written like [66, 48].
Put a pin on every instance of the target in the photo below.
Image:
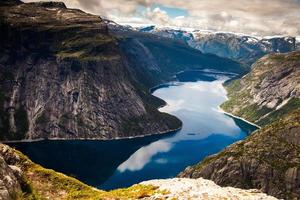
[237, 117]
[159, 133]
[151, 90]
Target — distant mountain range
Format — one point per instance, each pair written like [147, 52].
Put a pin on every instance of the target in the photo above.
[240, 47]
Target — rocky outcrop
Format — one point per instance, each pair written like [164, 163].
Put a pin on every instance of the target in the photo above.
[200, 189]
[9, 185]
[269, 91]
[268, 160]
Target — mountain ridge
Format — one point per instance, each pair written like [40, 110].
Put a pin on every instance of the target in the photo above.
[237, 46]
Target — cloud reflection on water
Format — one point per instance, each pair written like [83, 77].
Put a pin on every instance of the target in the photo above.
[196, 104]
[143, 156]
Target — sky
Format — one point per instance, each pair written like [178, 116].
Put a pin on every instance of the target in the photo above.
[253, 17]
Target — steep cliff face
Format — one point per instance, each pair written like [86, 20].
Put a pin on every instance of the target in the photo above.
[64, 76]
[269, 91]
[268, 160]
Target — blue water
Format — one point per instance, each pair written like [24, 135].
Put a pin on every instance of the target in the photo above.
[121, 163]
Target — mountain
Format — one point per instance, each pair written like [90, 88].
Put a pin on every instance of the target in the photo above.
[23, 179]
[64, 76]
[166, 56]
[269, 91]
[243, 48]
[268, 159]
[68, 74]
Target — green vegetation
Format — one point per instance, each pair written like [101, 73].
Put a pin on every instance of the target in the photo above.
[271, 71]
[86, 48]
[290, 106]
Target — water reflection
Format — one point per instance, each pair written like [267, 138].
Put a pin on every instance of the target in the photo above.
[205, 131]
[143, 156]
[121, 163]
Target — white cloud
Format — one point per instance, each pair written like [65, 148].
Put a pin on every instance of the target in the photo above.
[263, 17]
[157, 16]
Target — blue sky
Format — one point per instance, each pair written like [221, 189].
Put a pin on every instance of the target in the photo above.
[171, 11]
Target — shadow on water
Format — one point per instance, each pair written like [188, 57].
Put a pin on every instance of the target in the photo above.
[244, 126]
[91, 161]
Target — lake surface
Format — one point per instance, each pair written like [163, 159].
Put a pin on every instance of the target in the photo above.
[121, 163]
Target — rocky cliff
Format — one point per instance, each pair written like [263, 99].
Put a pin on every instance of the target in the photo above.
[268, 160]
[269, 91]
[65, 74]
[23, 179]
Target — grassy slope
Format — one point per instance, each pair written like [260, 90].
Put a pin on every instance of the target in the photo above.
[240, 92]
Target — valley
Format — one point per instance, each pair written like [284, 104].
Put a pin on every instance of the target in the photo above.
[130, 161]
[91, 109]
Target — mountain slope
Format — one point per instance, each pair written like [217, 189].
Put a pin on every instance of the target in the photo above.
[269, 91]
[161, 57]
[268, 160]
[243, 48]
